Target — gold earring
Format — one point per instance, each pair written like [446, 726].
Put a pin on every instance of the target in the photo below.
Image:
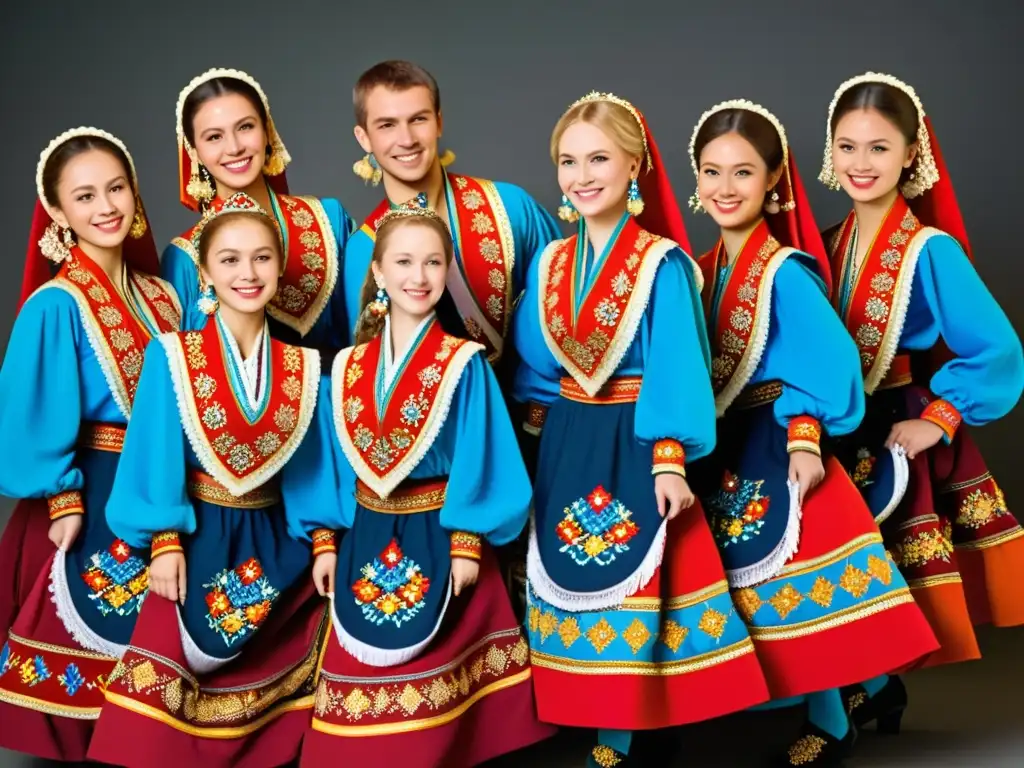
[447, 158]
[198, 187]
[367, 169]
[695, 204]
[56, 246]
[138, 221]
[772, 206]
[274, 164]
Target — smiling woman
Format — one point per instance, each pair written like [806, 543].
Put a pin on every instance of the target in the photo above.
[228, 143]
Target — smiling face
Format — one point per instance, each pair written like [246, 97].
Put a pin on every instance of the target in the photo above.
[733, 180]
[594, 172]
[95, 199]
[241, 259]
[412, 267]
[869, 154]
[402, 130]
[231, 141]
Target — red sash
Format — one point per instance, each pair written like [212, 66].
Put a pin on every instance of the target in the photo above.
[881, 294]
[117, 337]
[739, 332]
[311, 261]
[589, 341]
[383, 449]
[486, 247]
[239, 454]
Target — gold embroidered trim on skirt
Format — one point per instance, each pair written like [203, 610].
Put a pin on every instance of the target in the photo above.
[759, 394]
[203, 487]
[101, 437]
[624, 389]
[407, 499]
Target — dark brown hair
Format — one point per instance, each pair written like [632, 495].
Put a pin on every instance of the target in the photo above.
[211, 89]
[751, 126]
[369, 325]
[223, 220]
[72, 148]
[890, 102]
[397, 75]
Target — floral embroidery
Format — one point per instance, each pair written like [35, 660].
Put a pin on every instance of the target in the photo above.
[980, 508]
[596, 528]
[922, 548]
[239, 601]
[862, 471]
[72, 680]
[118, 580]
[738, 510]
[392, 588]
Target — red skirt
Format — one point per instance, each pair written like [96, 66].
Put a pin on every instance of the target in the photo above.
[24, 549]
[838, 612]
[956, 542]
[674, 653]
[51, 689]
[253, 711]
[465, 700]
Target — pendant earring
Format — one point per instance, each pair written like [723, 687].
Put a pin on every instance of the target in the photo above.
[207, 302]
[273, 165]
[199, 186]
[56, 244]
[368, 169]
[634, 203]
[772, 206]
[138, 222]
[567, 211]
[379, 306]
[695, 204]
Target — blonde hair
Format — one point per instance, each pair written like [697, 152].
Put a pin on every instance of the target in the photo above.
[370, 325]
[614, 119]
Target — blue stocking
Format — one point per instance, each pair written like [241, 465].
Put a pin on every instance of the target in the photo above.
[825, 710]
[617, 740]
[779, 703]
[873, 686]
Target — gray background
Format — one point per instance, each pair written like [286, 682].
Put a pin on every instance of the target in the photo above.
[507, 70]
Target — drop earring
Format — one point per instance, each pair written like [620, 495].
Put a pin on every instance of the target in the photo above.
[379, 306]
[567, 211]
[772, 206]
[695, 204]
[368, 169]
[634, 203]
[199, 186]
[207, 302]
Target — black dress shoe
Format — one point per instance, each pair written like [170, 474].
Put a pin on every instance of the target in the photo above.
[886, 707]
[816, 747]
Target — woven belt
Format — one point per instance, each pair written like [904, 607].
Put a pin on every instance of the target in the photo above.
[624, 389]
[759, 394]
[101, 437]
[408, 498]
[203, 487]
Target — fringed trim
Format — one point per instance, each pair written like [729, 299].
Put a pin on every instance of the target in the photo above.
[199, 663]
[771, 566]
[577, 602]
[385, 657]
[901, 479]
[67, 613]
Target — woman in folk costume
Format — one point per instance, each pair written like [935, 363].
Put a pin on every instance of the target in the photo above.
[936, 351]
[804, 558]
[66, 391]
[630, 620]
[419, 463]
[222, 660]
[228, 143]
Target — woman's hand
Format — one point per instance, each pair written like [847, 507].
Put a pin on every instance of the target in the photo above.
[64, 531]
[914, 436]
[805, 469]
[324, 567]
[673, 494]
[167, 576]
[464, 573]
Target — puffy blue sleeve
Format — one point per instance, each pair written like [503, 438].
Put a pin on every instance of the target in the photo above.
[985, 379]
[40, 399]
[810, 351]
[532, 228]
[318, 485]
[537, 377]
[488, 490]
[338, 335]
[358, 253]
[178, 268]
[149, 494]
[676, 402]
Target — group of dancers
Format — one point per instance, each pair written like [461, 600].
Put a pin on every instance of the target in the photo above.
[427, 488]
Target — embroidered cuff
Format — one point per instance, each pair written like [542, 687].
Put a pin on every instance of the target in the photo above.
[940, 412]
[804, 434]
[165, 542]
[535, 417]
[669, 456]
[64, 504]
[324, 540]
[466, 545]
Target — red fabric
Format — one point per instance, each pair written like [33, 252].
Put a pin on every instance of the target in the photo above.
[125, 737]
[141, 255]
[24, 551]
[797, 228]
[938, 206]
[662, 215]
[477, 628]
[277, 183]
